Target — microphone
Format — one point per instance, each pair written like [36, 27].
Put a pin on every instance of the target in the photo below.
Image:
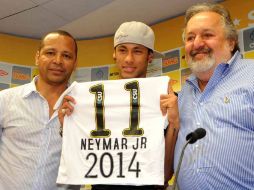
[191, 138]
[199, 133]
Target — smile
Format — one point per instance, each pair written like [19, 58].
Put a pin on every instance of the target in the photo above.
[57, 71]
[129, 69]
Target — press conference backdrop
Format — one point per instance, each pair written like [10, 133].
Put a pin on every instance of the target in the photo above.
[17, 54]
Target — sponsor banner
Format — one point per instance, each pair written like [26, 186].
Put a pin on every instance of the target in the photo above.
[185, 73]
[248, 39]
[171, 61]
[4, 86]
[113, 72]
[82, 75]
[99, 73]
[21, 75]
[154, 68]
[5, 72]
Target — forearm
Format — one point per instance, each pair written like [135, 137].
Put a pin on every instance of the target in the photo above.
[170, 141]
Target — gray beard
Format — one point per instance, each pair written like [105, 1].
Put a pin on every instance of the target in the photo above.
[202, 65]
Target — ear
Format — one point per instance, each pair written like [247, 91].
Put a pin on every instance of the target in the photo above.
[75, 64]
[232, 44]
[114, 55]
[150, 57]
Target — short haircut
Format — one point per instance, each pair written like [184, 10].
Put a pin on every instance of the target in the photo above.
[62, 33]
[230, 30]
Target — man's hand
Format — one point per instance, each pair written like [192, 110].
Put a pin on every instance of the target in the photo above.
[66, 108]
[169, 105]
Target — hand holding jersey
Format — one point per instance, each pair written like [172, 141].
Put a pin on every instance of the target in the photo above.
[115, 134]
[133, 51]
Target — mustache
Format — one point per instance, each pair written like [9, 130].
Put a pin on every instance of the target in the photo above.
[202, 50]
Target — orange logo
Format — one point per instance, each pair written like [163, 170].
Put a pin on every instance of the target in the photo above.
[170, 61]
[20, 76]
[3, 73]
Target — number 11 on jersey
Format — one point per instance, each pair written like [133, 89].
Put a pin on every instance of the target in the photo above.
[100, 130]
[133, 130]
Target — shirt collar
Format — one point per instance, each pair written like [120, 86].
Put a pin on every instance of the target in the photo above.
[237, 55]
[30, 88]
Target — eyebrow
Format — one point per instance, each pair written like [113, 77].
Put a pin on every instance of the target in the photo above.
[54, 49]
[205, 30]
[137, 46]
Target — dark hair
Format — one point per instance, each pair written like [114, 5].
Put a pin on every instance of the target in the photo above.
[230, 30]
[150, 51]
[62, 33]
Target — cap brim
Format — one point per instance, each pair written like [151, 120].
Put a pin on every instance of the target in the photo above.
[157, 54]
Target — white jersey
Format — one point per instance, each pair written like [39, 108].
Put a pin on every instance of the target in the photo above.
[115, 134]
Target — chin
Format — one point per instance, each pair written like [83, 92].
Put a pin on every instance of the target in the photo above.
[127, 76]
[57, 80]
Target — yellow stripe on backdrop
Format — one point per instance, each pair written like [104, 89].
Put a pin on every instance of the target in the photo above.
[96, 52]
[99, 51]
[242, 11]
[249, 55]
[17, 50]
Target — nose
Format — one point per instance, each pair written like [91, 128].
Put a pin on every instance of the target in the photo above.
[129, 58]
[198, 42]
[58, 59]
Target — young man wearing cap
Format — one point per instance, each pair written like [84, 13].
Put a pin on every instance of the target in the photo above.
[134, 49]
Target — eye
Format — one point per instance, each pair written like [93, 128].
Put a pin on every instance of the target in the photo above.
[121, 50]
[50, 53]
[67, 56]
[190, 38]
[138, 51]
[207, 35]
